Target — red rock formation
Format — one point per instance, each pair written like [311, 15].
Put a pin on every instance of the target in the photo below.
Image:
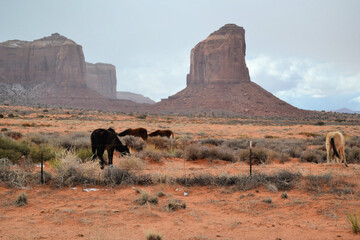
[55, 60]
[220, 58]
[101, 77]
[52, 71]
[219, 82]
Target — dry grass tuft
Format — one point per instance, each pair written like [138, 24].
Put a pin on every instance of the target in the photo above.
[175, 204]
[21, 200]
[135, 143]
[130, 162]
[354, 221]
[145, 198]
[152, 235]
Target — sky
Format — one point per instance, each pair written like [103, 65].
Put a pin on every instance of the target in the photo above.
[305, 52]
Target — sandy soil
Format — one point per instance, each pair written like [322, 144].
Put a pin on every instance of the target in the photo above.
[210, 213]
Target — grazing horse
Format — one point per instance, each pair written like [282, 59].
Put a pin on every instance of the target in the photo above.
[106, 139]
[137, 132]
[336, 142]
[162, 133]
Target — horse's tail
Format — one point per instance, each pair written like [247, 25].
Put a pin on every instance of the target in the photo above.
[93, 149]
[146, 134]
[172, 134]
[333, 146]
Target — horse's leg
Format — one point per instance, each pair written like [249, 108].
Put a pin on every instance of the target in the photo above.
[338, 159]
[110, 156]
[342, 155]
[100, 153]
[93, 149]
[328, 149]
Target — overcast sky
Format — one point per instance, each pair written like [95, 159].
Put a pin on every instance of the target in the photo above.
[304, 52]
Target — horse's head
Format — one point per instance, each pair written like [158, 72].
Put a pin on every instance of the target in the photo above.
[124, 150]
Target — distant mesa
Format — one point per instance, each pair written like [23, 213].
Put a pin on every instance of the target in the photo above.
[52, 71]
[138, 98]
[346, 110]
[219, 81]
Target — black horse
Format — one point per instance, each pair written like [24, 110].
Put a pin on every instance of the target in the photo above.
[137, 132]
[106, 139]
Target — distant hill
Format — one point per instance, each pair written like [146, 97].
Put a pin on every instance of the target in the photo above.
[138, 98]
[346, 110]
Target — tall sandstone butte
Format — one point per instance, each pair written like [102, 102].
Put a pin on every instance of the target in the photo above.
[219, 81]
[220, 58]
[54, 60]
[101, 77]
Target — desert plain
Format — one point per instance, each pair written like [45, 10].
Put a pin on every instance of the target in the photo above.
[315, 204]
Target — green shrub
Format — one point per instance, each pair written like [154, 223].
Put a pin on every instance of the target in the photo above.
[46, 151]
[10, 154]
[13, 150]
[84, 154]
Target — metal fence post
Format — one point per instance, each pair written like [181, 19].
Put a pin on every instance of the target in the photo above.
[250, 156]
[42, 166]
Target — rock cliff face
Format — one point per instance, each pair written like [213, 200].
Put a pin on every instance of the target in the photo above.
[52, 71]
[101, 77]
[219, 82]
[55, 60]
[220, 58]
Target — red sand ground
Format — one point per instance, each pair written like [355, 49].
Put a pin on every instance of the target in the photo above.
[211, 212]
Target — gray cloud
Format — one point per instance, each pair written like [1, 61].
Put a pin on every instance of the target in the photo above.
[295, 48]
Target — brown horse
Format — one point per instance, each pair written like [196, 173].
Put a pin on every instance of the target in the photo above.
[137, 132]
[335, 141]
[162, 133]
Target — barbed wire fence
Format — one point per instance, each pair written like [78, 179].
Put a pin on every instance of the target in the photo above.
[184, 168]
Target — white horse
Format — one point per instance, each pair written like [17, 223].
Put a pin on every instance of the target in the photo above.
[335, 141]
